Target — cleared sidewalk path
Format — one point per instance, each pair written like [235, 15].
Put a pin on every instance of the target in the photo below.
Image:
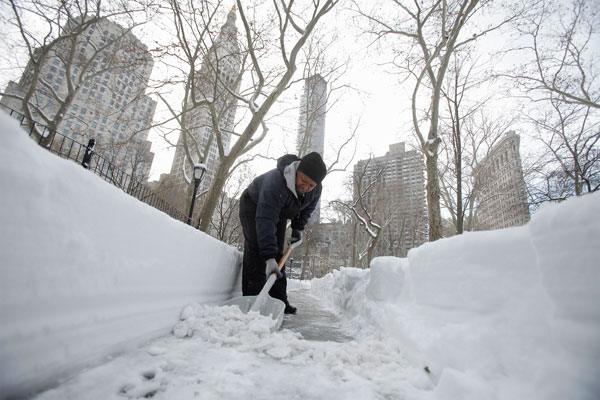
[313, 320]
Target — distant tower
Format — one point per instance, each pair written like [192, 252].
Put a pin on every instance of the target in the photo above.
[311, 124]
[223, 59]
[500, 187]
[398, 198]
[109, 74]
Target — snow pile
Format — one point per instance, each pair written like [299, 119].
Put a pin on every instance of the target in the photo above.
[86, 270]
[504, 314]
[366, 359]
[226, 324]
[220, 353]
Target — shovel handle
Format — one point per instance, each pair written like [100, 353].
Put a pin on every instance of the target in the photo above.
[287, 253]
[284, 258]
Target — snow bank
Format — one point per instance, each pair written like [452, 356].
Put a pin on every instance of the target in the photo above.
[505, 314]
[86, 270]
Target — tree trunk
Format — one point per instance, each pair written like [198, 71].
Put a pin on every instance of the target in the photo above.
[216, 188]
[460, 217]
[460, 214]
[433, 198]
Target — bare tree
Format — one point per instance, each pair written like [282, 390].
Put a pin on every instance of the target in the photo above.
[342, 217]
[225, 224]
[570, 164]
[430, 32]
[560, 84]
[67, 59]
[364, 206]
[562, 60]
[266, 57]
[194, 91]
[468, 131]
[294, 27]
[453, 170]
[138, 159]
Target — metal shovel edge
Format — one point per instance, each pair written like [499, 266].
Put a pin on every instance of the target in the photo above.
[263, 303]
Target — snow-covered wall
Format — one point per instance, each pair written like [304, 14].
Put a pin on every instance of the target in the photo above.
[506, 314]
[85, 269]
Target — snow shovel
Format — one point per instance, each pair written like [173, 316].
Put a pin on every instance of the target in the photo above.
[263, 303]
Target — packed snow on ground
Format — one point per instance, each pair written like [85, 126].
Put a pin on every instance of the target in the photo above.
[509, 314]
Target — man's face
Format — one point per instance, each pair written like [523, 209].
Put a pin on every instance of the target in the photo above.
[304, 183]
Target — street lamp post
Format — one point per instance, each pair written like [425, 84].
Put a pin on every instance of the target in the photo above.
[199, 170]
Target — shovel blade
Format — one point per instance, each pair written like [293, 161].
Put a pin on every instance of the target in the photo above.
[269, 307]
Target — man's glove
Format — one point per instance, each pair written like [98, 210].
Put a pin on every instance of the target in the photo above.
[296, 236]
[272, 267]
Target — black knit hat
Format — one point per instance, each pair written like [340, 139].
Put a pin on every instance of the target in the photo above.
[313, 166]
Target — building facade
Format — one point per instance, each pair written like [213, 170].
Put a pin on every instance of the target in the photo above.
[96, 78]
[311, 123]
[333, 241]
[501, 194]
[218, 75]
[397, 201]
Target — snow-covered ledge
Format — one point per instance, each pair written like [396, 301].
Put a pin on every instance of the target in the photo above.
[86, 270]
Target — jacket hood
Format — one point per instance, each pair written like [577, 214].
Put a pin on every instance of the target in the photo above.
[286, 160]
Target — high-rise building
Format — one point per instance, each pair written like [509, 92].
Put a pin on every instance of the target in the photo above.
[105, 69]
[500, 187]
[311, 124]
[218, 75]
[397, 200]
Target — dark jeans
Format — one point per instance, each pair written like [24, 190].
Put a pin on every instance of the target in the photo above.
[253, 269]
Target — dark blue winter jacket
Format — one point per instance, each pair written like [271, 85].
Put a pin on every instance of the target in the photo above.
[275, 197]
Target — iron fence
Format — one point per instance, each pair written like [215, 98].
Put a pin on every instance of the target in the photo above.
[69, 148]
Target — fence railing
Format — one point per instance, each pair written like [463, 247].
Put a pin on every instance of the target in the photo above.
[68, 148]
